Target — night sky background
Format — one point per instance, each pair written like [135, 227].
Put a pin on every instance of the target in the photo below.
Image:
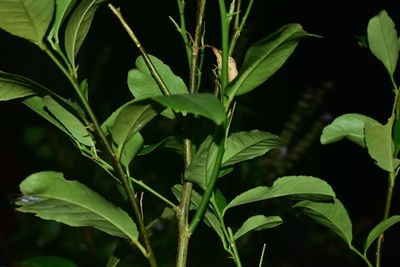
[324, 78]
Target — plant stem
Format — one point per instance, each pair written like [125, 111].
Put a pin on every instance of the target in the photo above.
[220, 134]
[239, 27]
[392, 176]
[182, 30]
[224, 45]
[234, 249]
[361, 255]
[154, 192]
[116, 164]
[142, 51]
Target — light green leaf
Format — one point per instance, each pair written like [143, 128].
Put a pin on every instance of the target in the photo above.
[219, 199]
[350, 126]
[210, 218]
[63, 7]
[257, 223]
[47, 261]
[379, 229]
[378, 139]
[74, 126]
[49, 196]
[28, 19]
[200, 168]
[299, 187]
[142, 84]
[11, 89]
[332, 215]
[78, 27]
[243, 146]
[383, 42]
[206, 105]
[265, 57]
[130, 119]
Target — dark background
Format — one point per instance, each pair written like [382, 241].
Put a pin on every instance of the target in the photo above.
[324, 78]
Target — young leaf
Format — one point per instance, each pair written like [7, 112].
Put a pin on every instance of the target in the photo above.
[49, 196]
[350, 126]
[200, 168]
[47, 261]
[243, 146]
[379, 229]
[26, 18]
[257, 223]
[206, 105]
[332, 215]
[378, 139]
[265, 57]
[142, 84]
[63, 7]
[78, 27]
[299, 187]
[383, 42]
[74, 126]
[129, 119]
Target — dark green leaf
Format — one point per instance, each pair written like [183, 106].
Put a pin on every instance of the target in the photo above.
[131, 148]
[265, 57]
[332, 215]
[396, 137]
[201, 166]
[26, 18]
[74, 126]
[206, 105]
[78, 27]
[49, 196]
[379, 229]
[299, 187]
[243, 146]
[383, 42]
[257, 223]
[378, 139]
[47, 261]
[220, 200]
[350, 126]
[11, 89]
[171, 142]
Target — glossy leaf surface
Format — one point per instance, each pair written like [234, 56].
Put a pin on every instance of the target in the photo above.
[49, 196]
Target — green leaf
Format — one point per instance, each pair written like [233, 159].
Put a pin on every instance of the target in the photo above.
[78, 27]
[131, 148]
[47, 261]
[63, 8]
[206, 105]
[350, 126]
[74, 126]
[332, 215]
[142, 84]
[396, 137]
[11, 89]
[27, 18]
[383, 42]
[378, 139]
[265, 57]
[257, 223]
[49, 196]
[200, 168]
[171, 142]
[210, 218]
[129, 119]
[243, 146]
[219, 200]
[379, 229]
[299, 187]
